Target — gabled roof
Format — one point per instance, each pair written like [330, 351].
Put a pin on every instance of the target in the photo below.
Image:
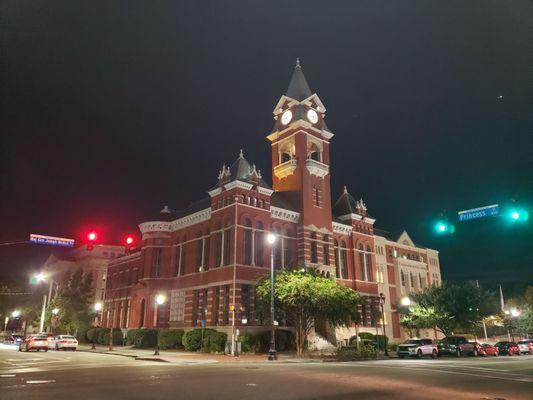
[242, 170]
[405, 239]
[298, 87]
[166, 214]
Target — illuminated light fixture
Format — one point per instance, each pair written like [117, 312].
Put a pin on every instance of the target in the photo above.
[129, 240]
[55, 311]
[40, 277]
[98, 306]
[271, 238]
[92, 236]
[160, 299]
[515, 312]
[405, 301]
[15, 314]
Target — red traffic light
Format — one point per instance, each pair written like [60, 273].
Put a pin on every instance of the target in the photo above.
[92, 236]
[129, 240]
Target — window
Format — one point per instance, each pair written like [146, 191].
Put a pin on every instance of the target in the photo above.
[177, 257]
[156, 266]
[325, 249]
[362, 261]
[226, 305]
[248, 242]
[196, 307]
[368, 265]
[314, 256]
[411, 280]
[204, 304]
[245, 300]
[285, 157]
[316, 196]
[177, 305]
[287, 251]
[259, 244]
[216, 306]
[344, 261]
[227, 243]
[183, 261]
[218, 247]
[207, 242]
[336, 255]
[277, 249]
[199, 250]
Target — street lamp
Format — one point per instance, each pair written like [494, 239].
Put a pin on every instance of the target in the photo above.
[271, 239]
[97, 308]
[405, 301]
[42, 277]
[160, 299]
[15, 314]
[382, 303]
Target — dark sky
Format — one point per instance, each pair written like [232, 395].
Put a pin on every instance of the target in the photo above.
[110, 110]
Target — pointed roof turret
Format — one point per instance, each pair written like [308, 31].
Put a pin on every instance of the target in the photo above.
[345, 205]
[298, 87]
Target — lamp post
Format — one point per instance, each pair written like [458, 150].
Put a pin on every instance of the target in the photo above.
[160, 299]
[97, 308]
[271, 238]
[382, 303]
[14, 314]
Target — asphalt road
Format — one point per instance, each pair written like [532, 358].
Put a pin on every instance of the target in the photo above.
[79, 375]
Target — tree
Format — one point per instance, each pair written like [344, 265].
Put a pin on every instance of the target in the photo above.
[451, 307]
[300, 298]
[73, 300]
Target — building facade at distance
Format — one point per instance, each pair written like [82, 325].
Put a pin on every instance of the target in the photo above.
[209, 257]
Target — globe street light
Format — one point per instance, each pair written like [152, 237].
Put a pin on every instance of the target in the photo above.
[160, 299]
[15, 314]
[405, 301]
[271, 239]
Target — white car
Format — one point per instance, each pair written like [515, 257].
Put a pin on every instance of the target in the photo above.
[64, 342]
[417, 348]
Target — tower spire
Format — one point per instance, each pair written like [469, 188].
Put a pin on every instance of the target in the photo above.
[298, 62]
[298, 87]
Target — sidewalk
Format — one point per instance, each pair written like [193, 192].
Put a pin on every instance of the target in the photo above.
[186, 357]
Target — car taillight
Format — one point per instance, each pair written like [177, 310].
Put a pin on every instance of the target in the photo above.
[63, 341]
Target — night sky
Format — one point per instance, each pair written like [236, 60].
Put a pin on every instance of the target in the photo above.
[111, 110]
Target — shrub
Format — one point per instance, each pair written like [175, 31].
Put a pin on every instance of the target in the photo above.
[381, 341]
[92, 335]
[285, 340]
[249, 343]
[118, 337]
[364, 352]
[144, 338]
[81, 335]
[366, 335]
[101, 332]
[170, 338]
[213, 340]
[130, 336]
[393, 346]
[217, 341]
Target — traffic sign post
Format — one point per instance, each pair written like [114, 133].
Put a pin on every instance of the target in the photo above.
[51, 240]
[480, 212]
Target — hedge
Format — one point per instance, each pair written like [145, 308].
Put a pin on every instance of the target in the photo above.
[118, 337]
[351, 353]
[213, 341]
[249, 343]
[369, 338]
[130, 336]
[96, 335]
[101, 333]
[285, 340]
[144, 338]
[170, 338]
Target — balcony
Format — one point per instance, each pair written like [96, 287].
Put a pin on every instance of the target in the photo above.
[285, 169]
[317, 168]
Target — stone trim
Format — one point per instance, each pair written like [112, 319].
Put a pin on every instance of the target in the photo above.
[341, 228]
[283, 214]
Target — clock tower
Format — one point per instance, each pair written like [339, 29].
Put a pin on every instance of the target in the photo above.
[300, 166]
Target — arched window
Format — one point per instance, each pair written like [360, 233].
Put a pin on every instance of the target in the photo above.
[325, 249]
[362, 261]
[207, 246]
[199, 250]
[142, 310]
[344, 261]
[260, 203]
[277, 249]
[288, 262]
[336, 251]
[313, 152]
[227, 243]
[285, 157]
[218, 246]
[368, 265]
[259, 244]
[314, 256]
[248, 242]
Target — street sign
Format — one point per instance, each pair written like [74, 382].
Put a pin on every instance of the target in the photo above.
[480, 212]
[51, 240]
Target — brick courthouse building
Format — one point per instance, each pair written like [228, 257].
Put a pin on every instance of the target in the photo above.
[209, 256]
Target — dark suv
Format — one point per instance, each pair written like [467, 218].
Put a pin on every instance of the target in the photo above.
[456, 346]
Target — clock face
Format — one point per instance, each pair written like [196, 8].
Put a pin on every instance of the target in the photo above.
[286, 117]
[312, 116]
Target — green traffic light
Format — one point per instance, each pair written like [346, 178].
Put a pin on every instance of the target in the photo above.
[515, 215]
[444, 228]
[518, 215]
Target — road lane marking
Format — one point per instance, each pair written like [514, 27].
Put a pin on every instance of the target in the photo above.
[7, 376]
[41, 381]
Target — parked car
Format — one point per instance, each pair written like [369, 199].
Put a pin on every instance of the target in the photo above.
[417, 348]
[456, 346]
[508, 348]
[34, 342]
[63, 342]
[49, 336]
[486, 349]
[14, 339]
[526, 346]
